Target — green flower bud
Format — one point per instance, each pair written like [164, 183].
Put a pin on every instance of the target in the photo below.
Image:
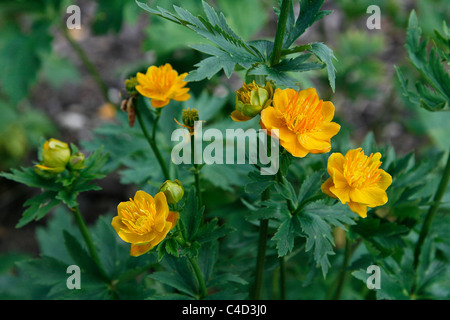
[173, 190]
[189, 117]
[76, 161]
[130, 86]
[251, 100]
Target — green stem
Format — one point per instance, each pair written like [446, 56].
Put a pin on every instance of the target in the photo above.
[151, 139]
[91, 68]
[88, 240]
[196, 173]
[282, 278]
[349, 250]
[281, 30]
[261, 257]
[430, 217]
[199, 276]
[343, 272]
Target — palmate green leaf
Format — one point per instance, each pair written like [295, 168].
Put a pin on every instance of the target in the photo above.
[191, 216]
[433, 93]
[29, 177]
[231, 51]
[284, 237]
[310, 187]
[315, 222]
[80, 256]
[281, 78]
[258, 183]
[383, 238]
[325, 54]
[179, 276]
[211, 231]
[309, 13]
[39, 206]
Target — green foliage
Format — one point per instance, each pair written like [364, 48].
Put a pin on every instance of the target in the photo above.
[433, 93]
[62, 188]
[232, 53]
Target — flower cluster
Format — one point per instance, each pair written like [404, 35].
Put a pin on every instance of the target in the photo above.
[304, 125]
[56, 157]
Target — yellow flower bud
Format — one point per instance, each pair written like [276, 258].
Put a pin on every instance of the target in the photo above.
[251, 100]
[55, 156]
[173, 190]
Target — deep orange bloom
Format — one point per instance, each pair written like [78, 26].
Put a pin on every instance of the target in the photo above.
[357, 179]
[303, 121]
[162, 84]
[144, 221]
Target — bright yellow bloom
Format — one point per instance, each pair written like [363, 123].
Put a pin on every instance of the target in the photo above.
[357, 179]
[144, 222]
[162, 84]
[303, 121]
[55, 156]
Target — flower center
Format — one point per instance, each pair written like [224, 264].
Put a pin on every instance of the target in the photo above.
[139, 217]
[303, 114]
[361, 171]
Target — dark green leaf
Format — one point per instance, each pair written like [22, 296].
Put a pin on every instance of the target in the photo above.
[325, 55]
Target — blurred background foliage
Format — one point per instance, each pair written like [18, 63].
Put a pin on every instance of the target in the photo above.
[47, 90]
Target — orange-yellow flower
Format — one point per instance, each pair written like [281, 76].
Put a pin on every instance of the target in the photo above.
[144, 221]
[357, 179]
[162, 84]
[303, 121]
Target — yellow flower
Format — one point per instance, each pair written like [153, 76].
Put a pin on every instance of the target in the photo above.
[55, 156]
[162, 84]
[250, 100]
[303, 121]
[144, 221]
[357, 179]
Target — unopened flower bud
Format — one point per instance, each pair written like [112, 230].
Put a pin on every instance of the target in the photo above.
[130, 86]
[251, 100]
[55, 156]
[173, 190]
[76, 161]
[189, 117]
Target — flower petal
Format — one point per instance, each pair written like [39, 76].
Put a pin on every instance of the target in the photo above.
[385, 180]
[281, 99]
[326, 131]
[327, 111]
[309, 142]
[162, 211]
[370, 196]
[295, 148]
[325, 187]
[358, 208]
[159, 103]
[335, 161]
[139, 249]
[343, 194]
